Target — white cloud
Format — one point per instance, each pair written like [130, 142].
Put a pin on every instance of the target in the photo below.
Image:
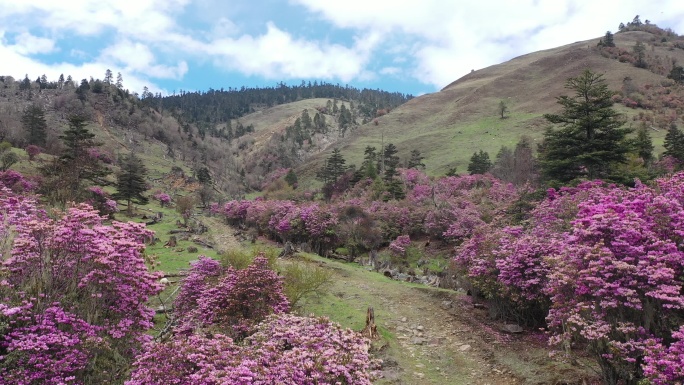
[25, 43]
[434, 41]
[136, 57]
[151, 29]
[17, 65]
[455, 37]
[277, 55]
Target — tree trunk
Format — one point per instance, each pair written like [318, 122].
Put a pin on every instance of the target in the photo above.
[371, 330]
[172, 242]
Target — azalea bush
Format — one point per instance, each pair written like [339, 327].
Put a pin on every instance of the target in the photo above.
[73, 294]
[164, 199]
[285, 349]
[232, 327]
[446, 209]
[603, 265]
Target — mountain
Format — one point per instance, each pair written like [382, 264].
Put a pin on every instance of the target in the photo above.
[448, 126]
[247, 137]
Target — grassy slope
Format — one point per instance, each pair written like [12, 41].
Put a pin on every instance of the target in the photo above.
[447, 127]
[493, 358]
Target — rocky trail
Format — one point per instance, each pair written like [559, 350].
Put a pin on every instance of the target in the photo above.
[437, 336]
[429, 335]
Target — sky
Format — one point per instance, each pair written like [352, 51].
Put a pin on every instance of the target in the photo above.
[413, 47]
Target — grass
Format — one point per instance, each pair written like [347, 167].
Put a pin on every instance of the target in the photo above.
[346, 303]
[447, 127]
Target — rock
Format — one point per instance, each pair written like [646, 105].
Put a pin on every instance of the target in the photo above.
[464, 348]
[417, 341]
[512, 328]
[389, 363]
[447, 305]
[420, 327]
[192, 249]
[403, 319]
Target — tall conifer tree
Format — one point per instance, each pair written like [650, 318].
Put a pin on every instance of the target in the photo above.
[589, 142]
[131, 184]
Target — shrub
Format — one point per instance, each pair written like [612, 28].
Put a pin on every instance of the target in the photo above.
[285, 349]
[301, 279]
[73, 295]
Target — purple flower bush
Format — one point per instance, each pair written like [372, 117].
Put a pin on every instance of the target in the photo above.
[284, 349]
[233, 329]
[163, 198]
[447, 210]
[73, 294]
[605, 264]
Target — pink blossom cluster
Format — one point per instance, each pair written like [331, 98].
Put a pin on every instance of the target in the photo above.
[233, 329]
[97, 153]
[232, 301]
[285, 349]
[102, 201]
[399, 245]
[16, 181]
[74, 290]
[163, 198]
[446, 209]
[605, 264]
[273, 176]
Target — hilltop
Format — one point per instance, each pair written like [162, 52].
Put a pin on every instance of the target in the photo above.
[448, 126]
[246, 137]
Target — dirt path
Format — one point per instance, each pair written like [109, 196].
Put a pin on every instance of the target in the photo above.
[436, 336]
[428, 343]
[221, 234]
[430, 336]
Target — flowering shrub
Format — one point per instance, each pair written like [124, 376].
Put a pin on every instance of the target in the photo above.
[163, 198]
[203, 274]
[32, 151]
[399, 245]
[16, 182]
[233, 330]
[285, 349]
[74, 285]
[606, 262]
[662, 363]
[446, 209]
[102, 201]
[235, 303]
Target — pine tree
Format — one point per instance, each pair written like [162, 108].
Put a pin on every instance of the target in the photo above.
[291, 178]
[390, 161]
[416, 160]
[334, 168]
[34, 123]
[674, 143]
[503, 109]
[108, 76]
[589, 143]
[608, 40]
[368, 168]
[644, 145]
[640, 53]
[677, 74]
[479, 163]
[131, 184]
[525, 164]
[306, 120]
[203, 176]
[504, 164]
[65, 176]
[119, 80]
